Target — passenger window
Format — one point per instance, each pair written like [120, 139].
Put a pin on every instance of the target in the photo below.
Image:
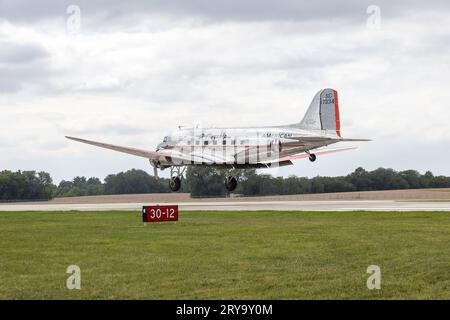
[205, 142]
[224, 142]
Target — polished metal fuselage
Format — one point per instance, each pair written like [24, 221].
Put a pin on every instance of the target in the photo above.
[240, 147]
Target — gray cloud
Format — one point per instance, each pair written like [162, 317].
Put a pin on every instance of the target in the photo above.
[8, 86]
[20, 64]
[14, 53]
[233, 10]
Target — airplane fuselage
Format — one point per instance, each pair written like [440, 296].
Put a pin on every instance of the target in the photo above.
[235, 147]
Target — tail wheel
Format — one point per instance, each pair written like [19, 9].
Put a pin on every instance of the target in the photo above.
[175, 184]
[312, 157]
[230, 183]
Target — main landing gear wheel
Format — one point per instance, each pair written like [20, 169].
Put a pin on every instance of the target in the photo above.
[312, 157]
[176, 173]
[175, 184]
[230, 183]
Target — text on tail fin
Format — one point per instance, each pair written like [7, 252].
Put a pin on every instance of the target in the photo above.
[323, 112]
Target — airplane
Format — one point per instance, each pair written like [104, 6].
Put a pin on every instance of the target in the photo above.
[245, 147]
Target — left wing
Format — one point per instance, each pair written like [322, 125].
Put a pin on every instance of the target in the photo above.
[152, 155]
[134, 151]
[166, 157]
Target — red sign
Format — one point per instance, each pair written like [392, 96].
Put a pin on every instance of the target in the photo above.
[159, 213]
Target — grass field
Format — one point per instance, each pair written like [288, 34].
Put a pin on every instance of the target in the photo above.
[218, 255]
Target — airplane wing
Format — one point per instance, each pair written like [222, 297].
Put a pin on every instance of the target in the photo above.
[314, 139]
[175, 158]
[328, 139]
[204, 158]
[137, 152]
[305, 155]
[152, 155]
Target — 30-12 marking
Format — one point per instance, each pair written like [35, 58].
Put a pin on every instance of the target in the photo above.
[160, 213]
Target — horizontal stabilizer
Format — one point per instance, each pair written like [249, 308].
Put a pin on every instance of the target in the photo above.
[355, 140]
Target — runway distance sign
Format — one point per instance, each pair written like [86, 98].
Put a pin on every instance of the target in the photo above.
[159, 213]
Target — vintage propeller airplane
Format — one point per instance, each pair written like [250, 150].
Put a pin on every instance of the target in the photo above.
[246, 147]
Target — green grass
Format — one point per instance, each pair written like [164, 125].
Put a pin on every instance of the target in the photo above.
[225, 255]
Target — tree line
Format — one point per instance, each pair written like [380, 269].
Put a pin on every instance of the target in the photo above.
[25, 185]
[359, 180]
[129, 182]
[206, 181]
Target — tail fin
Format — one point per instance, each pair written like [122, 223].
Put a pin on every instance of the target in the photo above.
[323, 113]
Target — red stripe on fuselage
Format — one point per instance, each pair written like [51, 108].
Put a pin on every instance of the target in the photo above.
[336, 113]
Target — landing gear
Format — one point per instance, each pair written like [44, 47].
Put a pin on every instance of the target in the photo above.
[312, 156]
[176, 173]
[230, 183]
[175, 184]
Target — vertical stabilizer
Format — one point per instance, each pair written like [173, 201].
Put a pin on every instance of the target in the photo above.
[323, 113]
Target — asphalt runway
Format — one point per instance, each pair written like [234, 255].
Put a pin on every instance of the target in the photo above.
[337, 205]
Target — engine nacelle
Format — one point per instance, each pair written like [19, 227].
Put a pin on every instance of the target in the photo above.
[155, 163]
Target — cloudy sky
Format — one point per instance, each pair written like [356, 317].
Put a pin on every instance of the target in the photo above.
[128, 72]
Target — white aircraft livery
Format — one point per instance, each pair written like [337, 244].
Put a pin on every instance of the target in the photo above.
[246, 147]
